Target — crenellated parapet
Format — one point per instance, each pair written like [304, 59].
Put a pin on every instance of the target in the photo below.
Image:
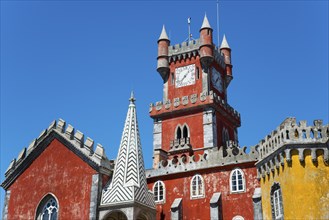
[194, 100]
[187, 50]
[75, 140]
[211, 157]
[276, 147]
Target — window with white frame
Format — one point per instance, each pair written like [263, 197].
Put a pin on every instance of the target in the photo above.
[47, 209]
[159, 191]
[197, 186]
[276, 202]
[237, 182]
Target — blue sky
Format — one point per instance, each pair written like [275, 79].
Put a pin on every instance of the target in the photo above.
[79, 60]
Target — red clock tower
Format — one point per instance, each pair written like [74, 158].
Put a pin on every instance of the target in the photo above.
[194, 114]
[199, 171]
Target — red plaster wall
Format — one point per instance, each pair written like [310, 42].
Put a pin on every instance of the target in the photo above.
[216, 180]
[60, 172]
[195, 124]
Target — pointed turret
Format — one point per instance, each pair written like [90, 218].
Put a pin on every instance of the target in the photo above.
[163, 63]
[128, 185]
[205, 23]
[163, 35]
[206, 44]
[224, 43]
[226, 51]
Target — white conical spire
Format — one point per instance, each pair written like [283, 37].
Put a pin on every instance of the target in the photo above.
[205, 23]
[129, 179]
[224, 43]
[163, 35]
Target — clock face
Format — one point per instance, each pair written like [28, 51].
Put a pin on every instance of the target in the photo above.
[185, 76]
[216, 79]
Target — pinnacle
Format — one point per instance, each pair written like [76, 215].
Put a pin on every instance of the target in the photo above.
[163, 35]
[224, 43]
[132, 98]
[205, 23]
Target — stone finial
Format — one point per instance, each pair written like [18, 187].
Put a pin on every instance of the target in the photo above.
[317, 123]
[42, 134]
[69, 132]
[61, 125]
[224, 44]
[31, 146]
[78, 137]
[205, 23]
[89, 143]
[302, 123]
[10, 167]
[99, 151]
[289, 121]
[52, 125]
[163, 35]
[21, 155]
[132, 98]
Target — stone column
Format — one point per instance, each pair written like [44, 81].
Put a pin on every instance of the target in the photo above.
[5, 207]
[215, 207]
[177, 209]
[209, 128]
[94, 197]
[257, 203]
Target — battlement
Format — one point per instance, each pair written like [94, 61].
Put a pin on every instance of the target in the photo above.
[179, 104]
[83, 146]
[289, 135]
[212, 157]
[190, 49]
[184, 47]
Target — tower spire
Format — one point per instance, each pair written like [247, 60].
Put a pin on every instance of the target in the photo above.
[132, 98]
[224, 43]
[128, 184]
[205, 23]
[163, 35]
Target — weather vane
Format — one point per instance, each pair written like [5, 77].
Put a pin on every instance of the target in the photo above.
[189, 30]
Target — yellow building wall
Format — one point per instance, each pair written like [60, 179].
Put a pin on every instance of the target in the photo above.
[304, 186]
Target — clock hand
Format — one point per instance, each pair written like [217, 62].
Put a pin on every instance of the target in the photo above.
[184, 77]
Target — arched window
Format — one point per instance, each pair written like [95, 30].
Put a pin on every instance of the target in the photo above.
[115, 215]
[159, 191]
[185, 132]
[225, 137]
[197, 186]
[237, 183]
[238, 217]
[276, 201]
[47, 209]
[178, 133]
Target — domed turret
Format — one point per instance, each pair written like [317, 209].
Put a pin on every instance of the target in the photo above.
[163, 63]
[206, 44]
